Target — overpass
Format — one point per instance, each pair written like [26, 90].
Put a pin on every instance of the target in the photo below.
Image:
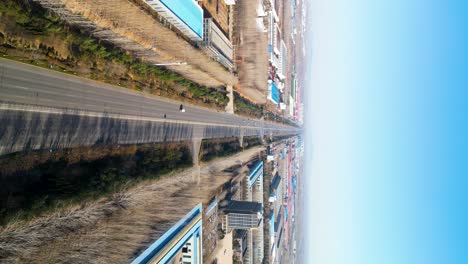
[42, 109]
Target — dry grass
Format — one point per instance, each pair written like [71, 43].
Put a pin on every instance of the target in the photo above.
[116, 229]
[25, 239]
[251, 52]
[130, 27]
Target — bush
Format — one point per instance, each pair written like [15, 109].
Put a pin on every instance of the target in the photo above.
[58, 181]
[244, 106]
[219, 148]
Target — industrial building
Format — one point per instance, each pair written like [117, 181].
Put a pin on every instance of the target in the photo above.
[217, 44]
[241, 244]
[200, 25]
[185, 15]
[276, 230]
[253, 191]
[274, 39]
[273, 92]
[242, 215]
[275, 194]
[284, 62]
[255, 175]
[275, 222]
[247, 216]
[220, 11]
[180, 244]
[277, 55]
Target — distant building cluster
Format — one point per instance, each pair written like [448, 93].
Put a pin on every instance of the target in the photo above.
[285, 160]
[244, 217]
[255, 224]
[283, 91]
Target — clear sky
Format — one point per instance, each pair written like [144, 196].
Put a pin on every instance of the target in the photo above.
[387, 131]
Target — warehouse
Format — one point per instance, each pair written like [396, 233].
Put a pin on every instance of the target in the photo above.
[185, 15]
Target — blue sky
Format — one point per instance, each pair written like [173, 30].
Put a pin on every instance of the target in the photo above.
[387, 131]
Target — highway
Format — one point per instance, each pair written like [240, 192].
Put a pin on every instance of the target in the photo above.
[26, 84]
[40, 108]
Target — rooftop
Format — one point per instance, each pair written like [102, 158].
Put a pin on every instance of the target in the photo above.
[256, 173]
[275, 182]
[243, 207]
[278, 222]
[186, 15]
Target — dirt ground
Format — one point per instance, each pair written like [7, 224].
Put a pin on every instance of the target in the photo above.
[286, 29]
[251, 52]
[223, 253]
[118, 228]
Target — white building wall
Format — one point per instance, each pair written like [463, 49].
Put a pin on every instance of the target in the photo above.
[213, 36]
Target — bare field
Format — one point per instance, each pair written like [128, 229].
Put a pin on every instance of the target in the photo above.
[251, 52]
[286, 29]
[127, 25]
[115, 229]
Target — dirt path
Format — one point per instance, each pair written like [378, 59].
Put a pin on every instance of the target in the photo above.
[116, 229]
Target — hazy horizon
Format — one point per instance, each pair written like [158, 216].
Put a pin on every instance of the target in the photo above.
[385, 132]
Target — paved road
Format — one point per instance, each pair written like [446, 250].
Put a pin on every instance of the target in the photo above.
[41, 109]
[26, 84]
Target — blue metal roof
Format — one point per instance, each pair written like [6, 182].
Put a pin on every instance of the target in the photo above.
[189, 12]
[294, 184]
[256, 173]
[274, 93]
[272, 224]
[175, 230]
[211, 206]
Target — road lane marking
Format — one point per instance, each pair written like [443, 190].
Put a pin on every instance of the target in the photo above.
[52, 110]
